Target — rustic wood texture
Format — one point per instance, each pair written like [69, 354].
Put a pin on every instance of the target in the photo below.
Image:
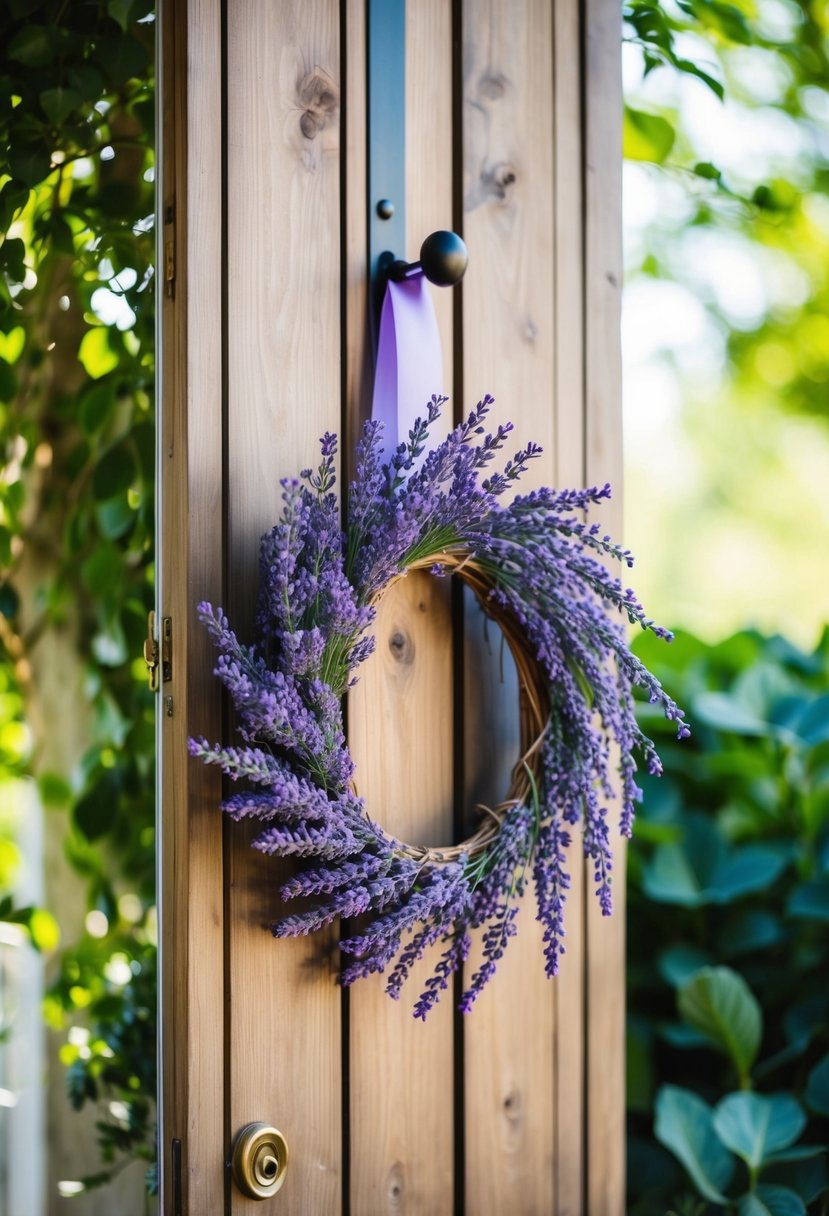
[605, 950]
[541, 1091]
[400, 719]
[283, 309]
[191, 569]
[570, 471]
[508, 350]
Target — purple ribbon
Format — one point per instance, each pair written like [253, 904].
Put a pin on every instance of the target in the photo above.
[409, 360]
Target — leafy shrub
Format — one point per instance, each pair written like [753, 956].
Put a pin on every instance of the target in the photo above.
[728, 1036]
[76, 512]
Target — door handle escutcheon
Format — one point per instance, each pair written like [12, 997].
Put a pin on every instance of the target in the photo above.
[259, 1160]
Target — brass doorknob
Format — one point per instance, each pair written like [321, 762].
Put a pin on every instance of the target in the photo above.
[260, 1159]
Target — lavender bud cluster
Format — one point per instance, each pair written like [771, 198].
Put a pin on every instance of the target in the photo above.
[546, 566]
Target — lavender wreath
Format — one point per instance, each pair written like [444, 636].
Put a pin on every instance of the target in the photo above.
[536, 566]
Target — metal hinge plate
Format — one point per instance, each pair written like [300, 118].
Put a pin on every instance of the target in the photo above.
[159, 656]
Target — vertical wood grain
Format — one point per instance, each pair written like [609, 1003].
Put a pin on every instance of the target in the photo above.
[284, 360]
[190, 549]
[400, 720]
[605, 1085]
[508, 345]
[570, 471]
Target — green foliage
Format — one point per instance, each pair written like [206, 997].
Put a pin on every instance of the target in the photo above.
[110, 1058]
[76, 510]
[728, 958]
[770, 59]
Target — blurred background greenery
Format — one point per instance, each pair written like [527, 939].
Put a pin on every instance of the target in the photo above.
[726, 338]
[76, 530]
[726, 341]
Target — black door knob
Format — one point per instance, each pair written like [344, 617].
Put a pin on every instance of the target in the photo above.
[443, 260]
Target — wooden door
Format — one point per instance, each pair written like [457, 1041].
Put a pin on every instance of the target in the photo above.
[512, 139]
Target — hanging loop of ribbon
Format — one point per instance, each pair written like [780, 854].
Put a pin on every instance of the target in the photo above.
[409, 368]
[409, 365]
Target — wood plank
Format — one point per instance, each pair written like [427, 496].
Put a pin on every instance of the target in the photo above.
[508, 344]
[401, 1071]
[190, 569]
[570, 471]
[284, 360]
[605, 1084]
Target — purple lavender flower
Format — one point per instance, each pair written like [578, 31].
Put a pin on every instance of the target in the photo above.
[547, 567]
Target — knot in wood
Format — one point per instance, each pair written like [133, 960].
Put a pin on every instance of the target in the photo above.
[492, 85]
[496, 180]
[319, 97]
[402, 647]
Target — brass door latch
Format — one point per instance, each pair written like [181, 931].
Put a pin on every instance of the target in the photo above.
[158, 656]
[260, 1159]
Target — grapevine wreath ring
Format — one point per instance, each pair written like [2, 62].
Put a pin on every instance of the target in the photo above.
[538, 567]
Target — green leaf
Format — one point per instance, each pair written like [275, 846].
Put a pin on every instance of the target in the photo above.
[12, 344]
[43, 930]
[647, 136]
[679, 963]
[752, 868]
[693, 69]
[701, 869]
[96, 810]
[120, 11]
[29, 163]
[811, 900]
[669, 878]
[771, 1201]
[754, 1126]
[31, 46]
[817, 1087]
[97, 407]
[121, 58]
[684, 1125]
[54, 790]
[114, 474]
[115, 516]
[13, 258]
[722, 712]
[59, 103]
[102, 571]
[752, 930]
[813, 726]
[798, 1152]
[719, 1004]
[95, 353]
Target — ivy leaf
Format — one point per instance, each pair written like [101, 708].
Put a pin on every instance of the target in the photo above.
[31, 46]
[647, 136]
[114, 474]
[29, 163]
[693, 69]
[59, 103]
[817, 1087]
[771, 1201]
[811, 900]
[684, 1125]
[718, 1003]
[121, 11]
[95, 353]
[725, 713]
[754, 1126]
[121, 58]
[96, 810]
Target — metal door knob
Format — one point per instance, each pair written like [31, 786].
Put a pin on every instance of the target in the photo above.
[260, 1159]
[443, 260]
